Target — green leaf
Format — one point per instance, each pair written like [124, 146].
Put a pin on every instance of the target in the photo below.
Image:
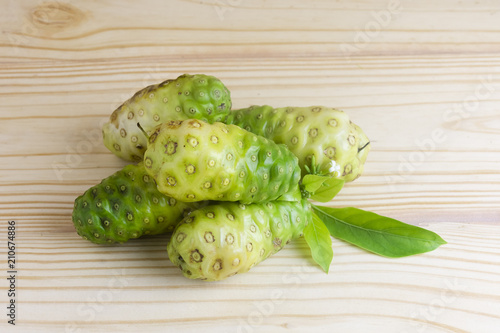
[322, 188]
[318, 238]
[379, 234]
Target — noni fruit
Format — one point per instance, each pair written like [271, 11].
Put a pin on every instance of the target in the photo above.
[220, 240]
[126, 205]
[189, 96]
[317, 135]
[192, 160]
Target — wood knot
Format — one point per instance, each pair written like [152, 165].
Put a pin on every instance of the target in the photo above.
[56, 15]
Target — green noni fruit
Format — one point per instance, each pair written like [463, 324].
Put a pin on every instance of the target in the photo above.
[126, 205]
[317, 135]
[218, 241]
[192, 160]
[189, 96]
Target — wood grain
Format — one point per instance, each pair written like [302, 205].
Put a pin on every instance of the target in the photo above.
[425, 88]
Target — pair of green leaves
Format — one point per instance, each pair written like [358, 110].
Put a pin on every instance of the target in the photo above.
[375, 233]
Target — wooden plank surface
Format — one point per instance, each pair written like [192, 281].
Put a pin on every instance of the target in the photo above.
[424, 86]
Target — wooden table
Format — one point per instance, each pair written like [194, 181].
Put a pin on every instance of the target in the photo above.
[420, 77]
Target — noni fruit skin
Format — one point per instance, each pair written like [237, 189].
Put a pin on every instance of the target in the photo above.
[192, 160]
[189, 96]
[339, 147]
[126, 205]
[218, 241]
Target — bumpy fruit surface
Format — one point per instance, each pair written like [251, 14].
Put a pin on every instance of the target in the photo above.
[218, 241]
[126, 205]
[339, 146]
[192, 160]
[189, 96]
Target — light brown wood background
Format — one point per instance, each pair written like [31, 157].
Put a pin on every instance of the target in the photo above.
[422, 78]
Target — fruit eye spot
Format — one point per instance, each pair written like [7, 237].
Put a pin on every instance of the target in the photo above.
[156, 117]
[161, 219]
[190, 169]
[236, 262]
[96, 235]
[133, 139]
[171, 181]
[249, 247]
[130, 217]
[313, 133]
[332, 123]
[190, 196]
[141, 112]
[316, 109]
[265, 176]
[210, 215]
[300, 119]
[262, 252]
[155, 200]
[253, 189]
[148, 162]
[172, 201]
[165, 100]
[242, 174]
[106, 223]
[352, 140]
[192, 141]
[178, 108]
[196, 256]
[329, 152]
[146, 220]
[253, 158]
[209, 237]
[229, 157]
[116, 206]
[123, 133]
[89, 221]
[217, 265]
[268, 233]
[211, 163]
[180, 237]
[253, 228]
[117, 147]
[226, 182]
[207, 185]
[230, 217]
[170, 147]
[214, 139]
[294, 140]
[229, 239]
[347, 169]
